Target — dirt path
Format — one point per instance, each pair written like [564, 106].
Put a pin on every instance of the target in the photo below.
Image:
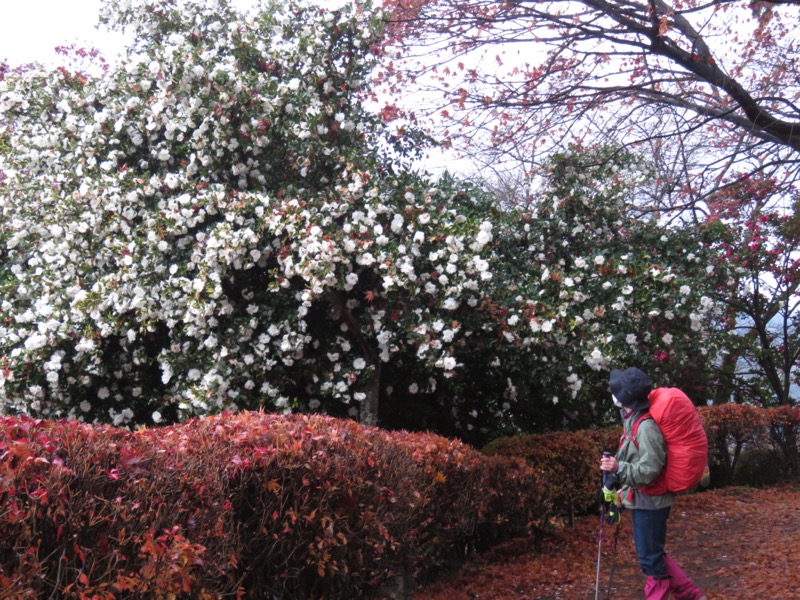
[737, 544]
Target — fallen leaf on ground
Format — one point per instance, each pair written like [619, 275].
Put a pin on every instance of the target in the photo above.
[736, 543]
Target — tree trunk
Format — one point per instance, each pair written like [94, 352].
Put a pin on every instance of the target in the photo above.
[368, 415]
[719, 461]
[369, 406]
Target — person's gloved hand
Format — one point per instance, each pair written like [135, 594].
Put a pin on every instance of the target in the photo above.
[610, 480]
[611, 500]
[610, 496]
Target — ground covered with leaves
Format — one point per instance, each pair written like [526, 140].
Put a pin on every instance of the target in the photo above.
[736, 543]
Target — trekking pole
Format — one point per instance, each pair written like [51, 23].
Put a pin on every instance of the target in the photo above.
[600, 539]
[613, 561]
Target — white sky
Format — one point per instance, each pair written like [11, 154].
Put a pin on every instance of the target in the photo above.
[31, 29]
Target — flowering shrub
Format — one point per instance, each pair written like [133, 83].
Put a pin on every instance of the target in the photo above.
[252, 504]
[759, 225]
[208, 225]
[217, 223]
[588, 284]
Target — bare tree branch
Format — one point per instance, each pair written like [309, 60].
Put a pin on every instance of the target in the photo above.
[534, 75]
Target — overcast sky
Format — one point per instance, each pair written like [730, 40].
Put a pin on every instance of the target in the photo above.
[31, 29]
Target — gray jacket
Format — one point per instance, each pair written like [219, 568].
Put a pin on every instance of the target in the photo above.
[640, 466]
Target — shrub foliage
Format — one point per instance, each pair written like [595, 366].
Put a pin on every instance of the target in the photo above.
[254, 504]
[300, 506]
[747, 445]
[566, 460]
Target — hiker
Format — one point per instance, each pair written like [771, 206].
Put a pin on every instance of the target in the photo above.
[640, 459]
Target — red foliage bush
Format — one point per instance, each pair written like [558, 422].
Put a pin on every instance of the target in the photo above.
[731, 429]
[740, 423]
[784, 431]
[266, 506]
[247, 504]
[567, 461]
[99, 512]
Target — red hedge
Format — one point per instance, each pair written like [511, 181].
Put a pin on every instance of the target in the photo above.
[265, 506]
[567, 461]
[248, 504]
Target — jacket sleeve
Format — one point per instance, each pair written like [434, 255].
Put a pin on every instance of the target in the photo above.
[652, 457]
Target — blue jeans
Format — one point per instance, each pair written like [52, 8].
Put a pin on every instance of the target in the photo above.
[650, 536]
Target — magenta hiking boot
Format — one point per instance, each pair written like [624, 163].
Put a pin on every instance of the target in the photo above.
[681, 587]
[656, 589]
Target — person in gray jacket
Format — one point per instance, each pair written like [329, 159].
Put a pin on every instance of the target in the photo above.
[637, 463]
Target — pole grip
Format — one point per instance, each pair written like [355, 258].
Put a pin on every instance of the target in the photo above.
[606, 454]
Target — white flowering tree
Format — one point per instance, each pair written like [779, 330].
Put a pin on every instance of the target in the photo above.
[211, 225]
[217, 223]
[590, 282]
[576, 281]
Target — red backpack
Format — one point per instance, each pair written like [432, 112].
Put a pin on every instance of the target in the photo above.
[687, 444]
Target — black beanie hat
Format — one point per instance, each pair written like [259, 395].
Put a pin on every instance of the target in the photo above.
[631, 387]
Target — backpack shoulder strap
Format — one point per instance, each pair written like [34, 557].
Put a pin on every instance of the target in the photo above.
[635, 430]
